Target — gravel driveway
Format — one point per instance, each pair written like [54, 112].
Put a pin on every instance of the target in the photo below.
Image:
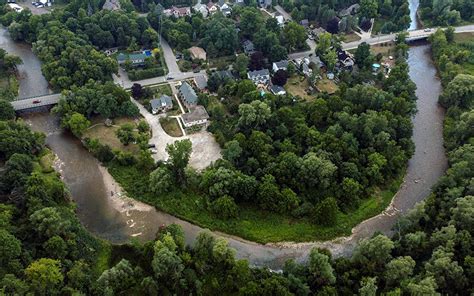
[205, 148]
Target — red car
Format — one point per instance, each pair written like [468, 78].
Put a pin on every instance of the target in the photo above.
[36, 101]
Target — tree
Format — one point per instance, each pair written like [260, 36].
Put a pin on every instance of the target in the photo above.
[125, 134]
[225, 207]
[256, 61]
[254, 114]
[459, 92]
[16, 171]
[324, 44]
[427, 286]
[373, 253]
[240, 65]
[368, 8]
[232, 151]
[6, 110]
[463, 213]
[363, 56]
[320, 268]
[10, 248]
[399, 269]
[44, 275]
[137, 91]
[294, 36]
[280, 77]
[161, 180]
[48, 222]
[326, 212]
[250, 19]
[368, 287]
[118, 278]
[77, 123]
[166, 264]
[179, 153]
[330, 59]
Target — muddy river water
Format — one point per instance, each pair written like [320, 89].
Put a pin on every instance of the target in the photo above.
[107, 214]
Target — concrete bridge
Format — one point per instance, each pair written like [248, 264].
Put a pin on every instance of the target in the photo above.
[35, 102]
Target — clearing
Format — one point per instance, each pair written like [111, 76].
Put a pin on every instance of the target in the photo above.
[297, 86]
[326, 85]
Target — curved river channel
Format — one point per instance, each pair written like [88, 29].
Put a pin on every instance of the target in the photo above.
[108, 215]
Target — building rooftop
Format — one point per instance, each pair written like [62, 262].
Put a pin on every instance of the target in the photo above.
[197, 113]
[201, 82]
[281, 64]
[188, 93]
[163, 101]
[197, 53]
[256, 73]
[131, 56]
[276, 89]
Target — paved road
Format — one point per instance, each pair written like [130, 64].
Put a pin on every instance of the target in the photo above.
[283, 12]
[126, 83]
[46, 100]
[170, 58]
[384, 38]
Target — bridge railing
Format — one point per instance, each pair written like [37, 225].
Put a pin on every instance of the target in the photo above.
[36, 97]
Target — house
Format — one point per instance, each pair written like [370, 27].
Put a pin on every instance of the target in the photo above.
[201, 82]
[351, 10]
[224, 74]
[280, 20]
[281, 65]
[344, 59]
[264, 3]
[248, 46]
[178, 12]
[111, 5]
[201, 8]
[224, 8]
[239, 2]
[277, 90]
[197, 116]
[316, 32]
[137, 59]
[259, 76]
[197, 53]
[163, 104]
[187, 94]
[306, 70]
[110, 51]
[15, 7]
[304, 23]
[212, 8]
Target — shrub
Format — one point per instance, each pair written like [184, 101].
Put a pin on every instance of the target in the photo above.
[145, 73]
[225, 207]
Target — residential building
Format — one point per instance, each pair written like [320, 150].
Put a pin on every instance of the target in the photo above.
[239, 2]
[225, 74]
[248, 46]
[277, 90]
[137, 59]
[344, 59]
[187, 94]
[264, 3]
[259, 76]
[111, 5]
[201, 8]
[351, 10]
[15, 7]
[197, 53]
[197, 116]
[163, 104]
[224, 7]
[304, 23]
[212, 8]
[280, 20]
[281, 65]
[201, 82]
[317, 32]
[178, 11]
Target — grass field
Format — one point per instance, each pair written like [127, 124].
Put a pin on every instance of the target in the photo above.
[385, 49]
[326, 85]
[297, 87]
[171, 126]
[464, 37]
[162, 89]
[252, 223]
[106, 134]
[350, 37]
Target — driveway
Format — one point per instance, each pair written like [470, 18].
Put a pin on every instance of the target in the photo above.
[127, 83]
[283, 12]
[205, 148]
[170, 58]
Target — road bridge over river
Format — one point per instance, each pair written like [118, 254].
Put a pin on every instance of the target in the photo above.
[35, 102]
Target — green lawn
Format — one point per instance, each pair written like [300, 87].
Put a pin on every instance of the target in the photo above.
[171, 126]
[252, 224]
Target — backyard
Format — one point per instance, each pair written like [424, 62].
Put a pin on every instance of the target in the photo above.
[297, 86]
[107, 134]
[327, 86]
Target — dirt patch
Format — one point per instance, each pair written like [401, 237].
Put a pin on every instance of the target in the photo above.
[297, 87]
[385, 49]
[326, 85]
[351, 37]
[171, 126]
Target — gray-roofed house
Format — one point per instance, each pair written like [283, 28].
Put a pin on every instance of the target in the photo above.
[137, 59]
[224, 7]
[304, 23]
[111, 5]
[197, 116]
[201, 82]
[259, 76]
[351, 10]
[277, 90]
[163, 104]
[281, 65]
[248, 46]
[187, 94]
[224, 74]
[265, 3]
[202, 8]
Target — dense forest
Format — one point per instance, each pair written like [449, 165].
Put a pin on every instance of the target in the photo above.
[8, 80]
[446, 12]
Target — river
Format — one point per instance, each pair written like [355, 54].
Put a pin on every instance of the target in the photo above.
[106, 214]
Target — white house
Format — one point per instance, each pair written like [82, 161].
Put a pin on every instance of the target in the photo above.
[212, 8]
[178, 11]
[197, 116]
[259, 76]
[202, 8]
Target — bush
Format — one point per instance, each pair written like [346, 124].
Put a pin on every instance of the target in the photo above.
[145, 73]
[225, 207]
[326, 212]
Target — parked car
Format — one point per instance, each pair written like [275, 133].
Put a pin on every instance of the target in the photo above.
[427, 30]
[40, 5]
[153, 151]
[36, 101]
[151, 145]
